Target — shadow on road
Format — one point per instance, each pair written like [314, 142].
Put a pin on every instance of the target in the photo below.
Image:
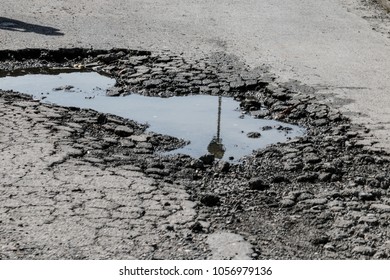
[20, 26]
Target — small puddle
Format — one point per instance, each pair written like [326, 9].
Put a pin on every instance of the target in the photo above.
[211, 123]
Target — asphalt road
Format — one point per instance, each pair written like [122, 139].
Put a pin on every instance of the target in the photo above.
[331, 45]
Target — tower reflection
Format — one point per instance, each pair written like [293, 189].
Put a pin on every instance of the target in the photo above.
[216, 147]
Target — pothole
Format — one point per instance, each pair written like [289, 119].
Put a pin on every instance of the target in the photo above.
[307, 185]
[209, 124]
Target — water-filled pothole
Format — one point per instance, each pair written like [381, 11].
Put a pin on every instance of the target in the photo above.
[210, 123]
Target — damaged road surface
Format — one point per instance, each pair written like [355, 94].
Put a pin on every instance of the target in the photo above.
[59, 201]
[80, 184]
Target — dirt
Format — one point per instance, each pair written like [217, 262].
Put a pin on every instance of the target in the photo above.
[81, 184]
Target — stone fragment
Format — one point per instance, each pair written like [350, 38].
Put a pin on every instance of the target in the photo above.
[380, 207]
[257, 184]
[127, 143]
[253, 134]
[237, 84]
[364, 250]
[371, 220]
[157, 171]
[223, 166]
[319, 239]
[287, 203]
[366, 196]
[308, 177]
[145, 145]
[280, 179]
[316, 201]
[207, 159]
[152, 83]
[196, 164]
[139, 138]
[196, 227]
[342, 223]
[324, 177]
[65, 88]
[251, 84]
[164, 59]
[312, 158]
[210, 199]
[113, 91]
[123, 131]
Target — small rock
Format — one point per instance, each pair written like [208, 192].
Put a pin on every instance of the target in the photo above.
[255, 255]
[196, 164]
[308, 177]
[250, 105]
[364, 250]
[324, 177]
[257, 184]
[139, 138]
[280, 179]
[66, 88]
[145, 145]
[380, 207]
[123, 131]
[279, 94]
[152, 83]
[316, 201]
[127, 144]
[371, 220]
[156, 171]
[341, 223]
[205, 225]
[237, 84]
[207, 159]
[321, 239]
[110, 141]
[366, 196]
[329, 247]
[107, 58]
[196, 227]
[287, 203]
[267, 127]
[223, 166]
[253, 134]
[210, 200]
[164, 59]
[360, 181]
[321, 122]
[312, 159]
[259, 114]
[113, 91]
[170, 228]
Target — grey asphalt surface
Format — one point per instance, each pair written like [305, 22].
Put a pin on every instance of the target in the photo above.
[336, 46]
[330, 46]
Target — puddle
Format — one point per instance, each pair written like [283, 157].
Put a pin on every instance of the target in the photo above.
[211, 124]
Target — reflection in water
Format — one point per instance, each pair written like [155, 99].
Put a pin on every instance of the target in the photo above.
[216, 147]
[191, 118]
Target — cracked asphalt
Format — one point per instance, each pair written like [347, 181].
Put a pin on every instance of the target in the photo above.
[55, 206]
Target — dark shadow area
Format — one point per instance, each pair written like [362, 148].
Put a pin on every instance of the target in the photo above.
[20, 26]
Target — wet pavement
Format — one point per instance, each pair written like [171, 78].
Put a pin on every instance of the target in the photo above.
[207, 123]
[76, 183]
[57, 206]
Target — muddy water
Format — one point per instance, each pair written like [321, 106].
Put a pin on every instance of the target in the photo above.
[210, 123]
